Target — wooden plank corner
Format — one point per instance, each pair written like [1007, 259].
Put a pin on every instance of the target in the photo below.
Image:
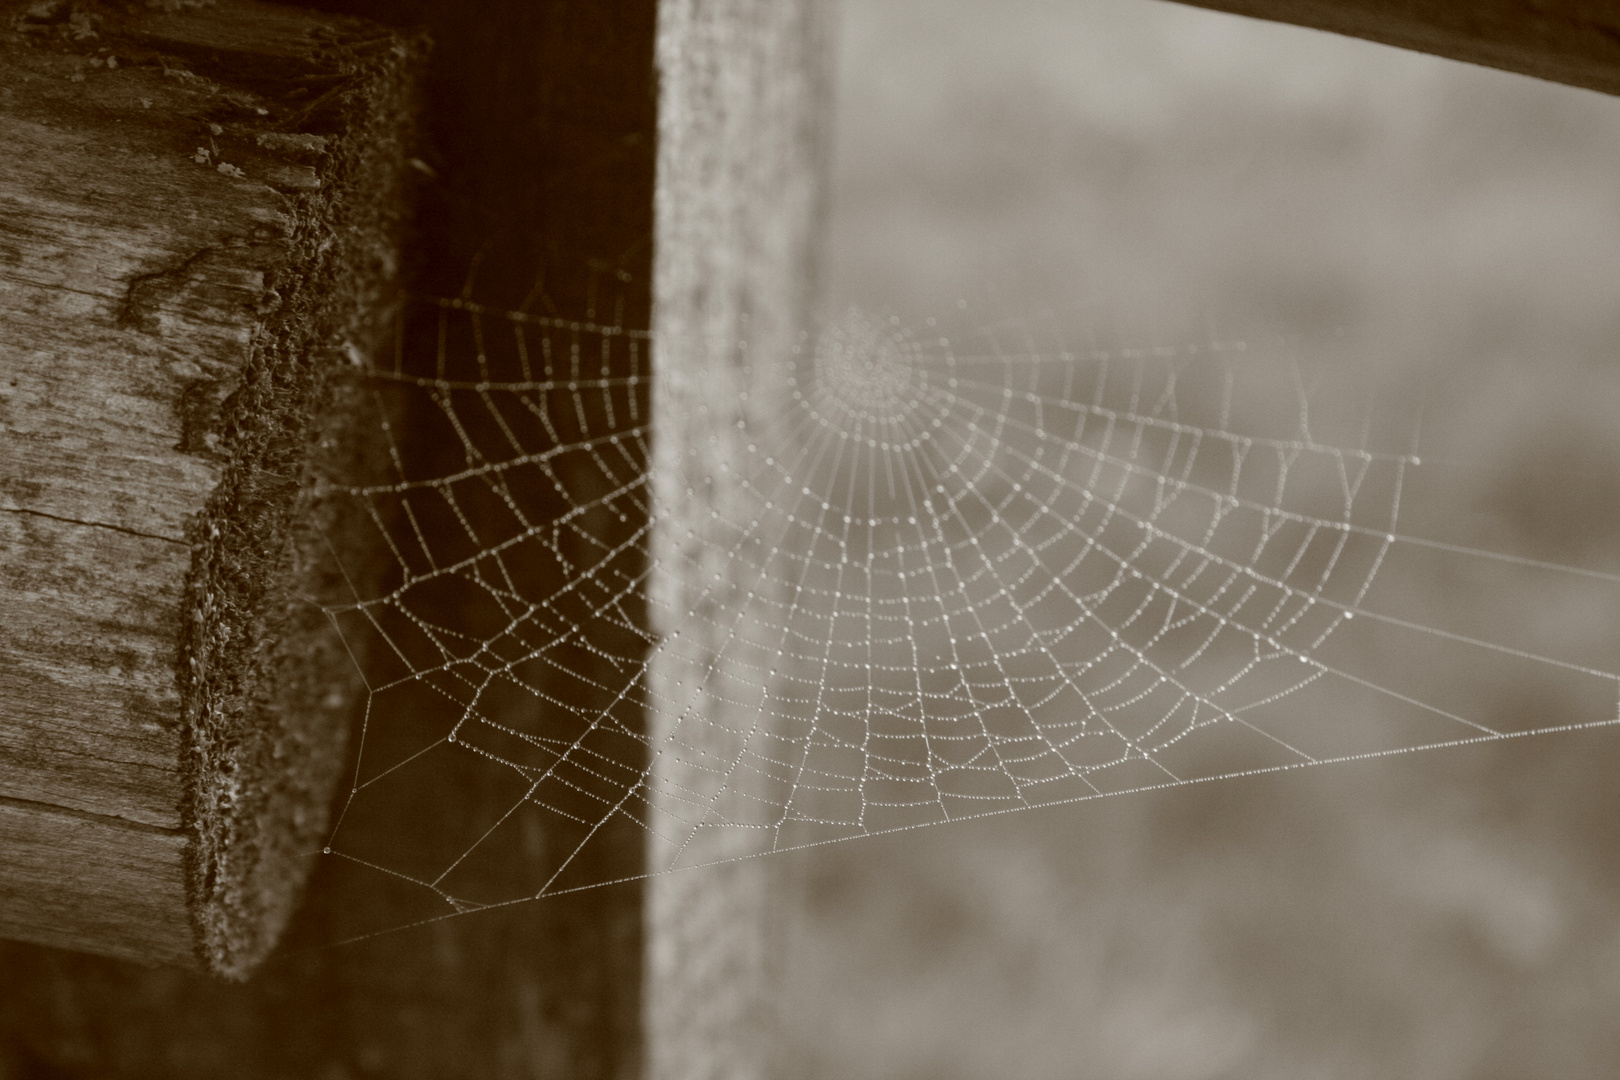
[200, 210]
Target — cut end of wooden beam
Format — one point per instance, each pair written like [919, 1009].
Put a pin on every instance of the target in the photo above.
[217, 193]
[267, 683]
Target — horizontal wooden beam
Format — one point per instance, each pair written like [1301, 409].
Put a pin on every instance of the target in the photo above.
[199, 212]
[1568, 41]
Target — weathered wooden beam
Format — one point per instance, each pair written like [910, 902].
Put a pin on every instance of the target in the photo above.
[1568, 41]
[199, 213]
[538, 125]
[541, 118]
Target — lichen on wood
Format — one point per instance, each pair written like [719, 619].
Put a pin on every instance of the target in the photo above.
[200, 210]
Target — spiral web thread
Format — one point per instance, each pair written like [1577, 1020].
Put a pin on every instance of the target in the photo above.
[935, 586]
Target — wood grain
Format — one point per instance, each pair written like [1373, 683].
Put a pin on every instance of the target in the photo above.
[539, 127]
[171, 332]
[126, 893]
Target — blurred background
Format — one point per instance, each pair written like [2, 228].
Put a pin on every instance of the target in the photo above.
[1157, 175]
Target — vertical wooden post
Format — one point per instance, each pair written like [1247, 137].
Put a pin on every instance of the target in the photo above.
[740, 193]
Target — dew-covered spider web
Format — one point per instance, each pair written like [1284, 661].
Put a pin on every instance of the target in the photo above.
[928, 579]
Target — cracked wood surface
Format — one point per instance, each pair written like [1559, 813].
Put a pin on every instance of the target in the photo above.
[154, 256]
[539, 122]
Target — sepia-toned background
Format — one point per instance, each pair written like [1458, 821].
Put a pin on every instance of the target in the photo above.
[1156, 174]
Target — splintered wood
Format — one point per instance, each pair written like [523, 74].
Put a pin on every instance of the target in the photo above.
[198, 218]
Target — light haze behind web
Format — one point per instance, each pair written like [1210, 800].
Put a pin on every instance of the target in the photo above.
[1437, 243]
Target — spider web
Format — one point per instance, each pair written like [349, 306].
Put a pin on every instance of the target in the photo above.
[915, 584]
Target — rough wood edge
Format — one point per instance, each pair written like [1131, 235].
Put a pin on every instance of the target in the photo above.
[267, 681]
[321, 107]
[548, 989]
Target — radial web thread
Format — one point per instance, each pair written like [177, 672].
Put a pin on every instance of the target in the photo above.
[937, 584]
